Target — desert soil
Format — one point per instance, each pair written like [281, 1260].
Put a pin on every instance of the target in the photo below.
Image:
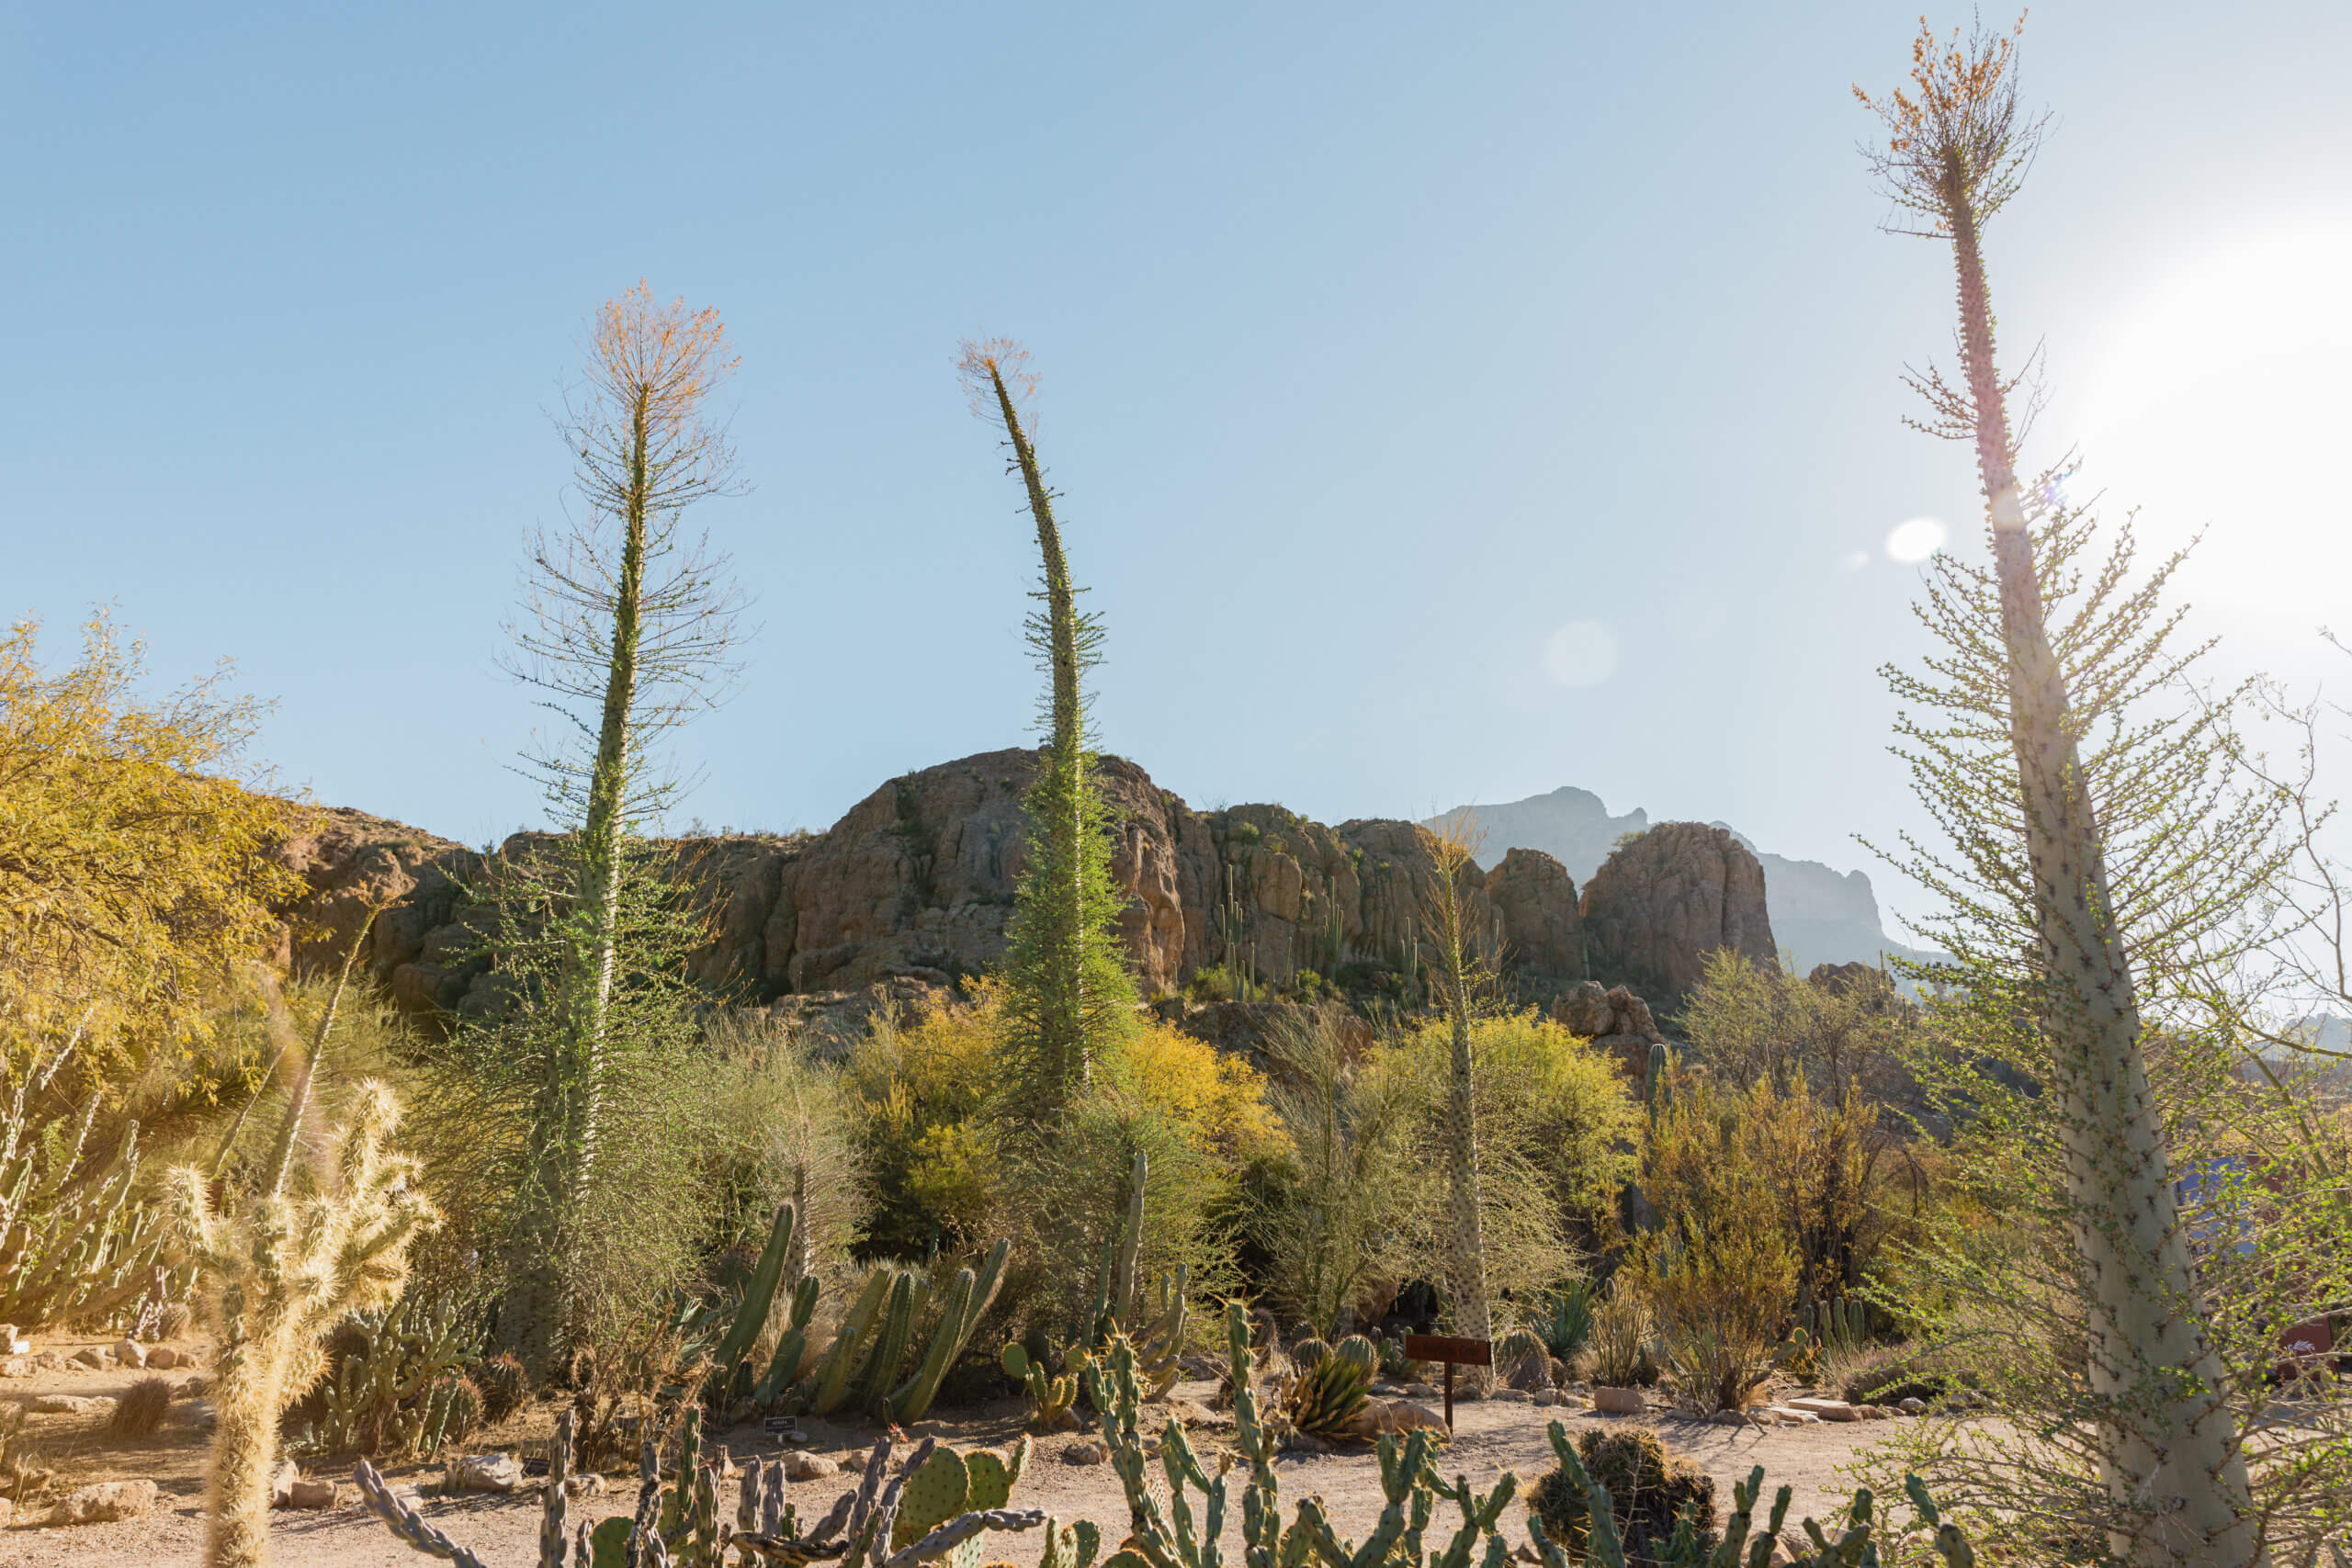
[1490, 1437]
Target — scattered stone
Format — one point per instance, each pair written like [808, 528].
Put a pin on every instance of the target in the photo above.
[1547, 1398]
[97, 1360]
[16, 1367]
[104, 1502]
[484, 1472]
[50, 1360]
[312, 1495]
[1915, 1406]
[163, 1359]
[799, 1466]
[1513, 1396]
[1788, 1416]
[129, 1352]
[1617, 1401]
[1827, 1409]
[1403, 1416]
[1088, 1452]
[1421, 1391]
[72, 1405]
[589, 1485]
[1873, 1411]
[282, 1482]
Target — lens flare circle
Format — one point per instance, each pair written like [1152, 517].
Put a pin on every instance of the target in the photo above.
[1581, 653]
[1915, 541]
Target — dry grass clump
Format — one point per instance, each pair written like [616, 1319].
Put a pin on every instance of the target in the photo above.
[140, 1412]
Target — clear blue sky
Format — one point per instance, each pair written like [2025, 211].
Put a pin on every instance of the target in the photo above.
[1380, 344]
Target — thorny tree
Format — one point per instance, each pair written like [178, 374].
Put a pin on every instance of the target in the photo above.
[1464, 975]
[629, 628]
[2033, 813]
[1068, 996]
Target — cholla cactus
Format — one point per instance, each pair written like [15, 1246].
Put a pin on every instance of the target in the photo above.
[282, 1273]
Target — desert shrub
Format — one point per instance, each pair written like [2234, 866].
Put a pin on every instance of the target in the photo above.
[141, 1408]
[1617, 1352]
[1649, 1490]
[1551, 1118]
[24, 1470]
[919, 1097]
[1329, 1218]
[1210, 982]
[783, 1130]
[504, 1386]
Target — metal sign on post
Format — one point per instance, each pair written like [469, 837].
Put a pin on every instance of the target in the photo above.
[1453, 1352]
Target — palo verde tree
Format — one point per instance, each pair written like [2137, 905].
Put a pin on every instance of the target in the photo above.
[1463, 975]
[2089, 844]
[1069, 995]
[629, 626]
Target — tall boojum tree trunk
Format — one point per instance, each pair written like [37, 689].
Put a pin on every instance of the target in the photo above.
[2147, 1337]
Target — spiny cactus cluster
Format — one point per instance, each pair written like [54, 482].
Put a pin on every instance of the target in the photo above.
[1051, 1396]
[1692, 1545]
[869, 1346]
[396, 1390]
[1523, 1360]
[284, 1270]
[73, 1244]
[1840, 1325]
[1328, 1386]
[936, 1509]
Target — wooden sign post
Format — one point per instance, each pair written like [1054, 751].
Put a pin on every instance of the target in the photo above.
[1453, 1352]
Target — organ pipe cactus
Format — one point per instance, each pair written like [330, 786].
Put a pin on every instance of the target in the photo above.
[968, 1297]
[759, 1294]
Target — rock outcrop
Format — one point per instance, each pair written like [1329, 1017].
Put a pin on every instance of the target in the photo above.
[916, 882]
[1537, 902]
[1663, 901]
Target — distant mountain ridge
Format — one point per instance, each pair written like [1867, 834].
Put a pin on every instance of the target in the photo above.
[1819, 915]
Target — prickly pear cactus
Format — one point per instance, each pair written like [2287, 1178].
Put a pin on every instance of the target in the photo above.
[993, 1475]
[933, 1495]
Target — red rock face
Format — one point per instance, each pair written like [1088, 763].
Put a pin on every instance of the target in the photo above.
[916, 881]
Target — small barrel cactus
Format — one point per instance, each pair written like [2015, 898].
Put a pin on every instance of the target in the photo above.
[504, 1386]
[1309, 1354]
[1359, 1351]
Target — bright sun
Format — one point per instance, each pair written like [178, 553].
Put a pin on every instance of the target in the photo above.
[2221, 401]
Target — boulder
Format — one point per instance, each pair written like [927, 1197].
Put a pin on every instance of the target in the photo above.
[282, 1482]
[484, 1472]
[15, 1367]
[1789, 1416]
[312, 1495]
[1827, 1409]
[49, 1360]
[163, 1359]
[802, 1466]
[1403, 1416]
[129, 1353]
[105, 1502]
[1617, 1401]
[1662, 902]
[94, 1359]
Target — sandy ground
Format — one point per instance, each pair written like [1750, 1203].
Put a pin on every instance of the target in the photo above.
[1490, 1438]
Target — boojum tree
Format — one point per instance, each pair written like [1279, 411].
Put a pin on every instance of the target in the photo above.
[1069, 995]
[1463, 973]
[628, 628]
[1956, 150]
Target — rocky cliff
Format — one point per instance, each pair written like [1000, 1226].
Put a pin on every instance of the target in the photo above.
[915, 882]
[1819, 915]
